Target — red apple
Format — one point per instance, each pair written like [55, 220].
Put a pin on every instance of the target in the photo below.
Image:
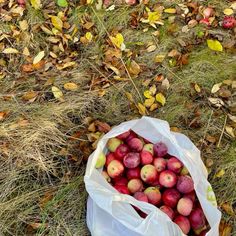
[168, 211]
[174, 165]
[159, 163]
[122, 189]
[160, 149]
[157, 184]
[146, 157]
[135, 144]
[131, 136]
[113, 143]
[109, 157]
[135, 185]
[106, 176]
[184, 206]
[149, 173]
[197, 218]
[203, 233]
[115, 168]
[183, 223]
[153, 194]
[148, 147]
[185, 184]
[131, 160]
[133, 173]
[229, 22]
[141, 196]
[170, 197]
[121, 151]
[191, 196]
[120, 181]
[123, 135]
[168, 178]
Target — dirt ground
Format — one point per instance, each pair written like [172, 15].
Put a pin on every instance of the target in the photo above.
[66, 78]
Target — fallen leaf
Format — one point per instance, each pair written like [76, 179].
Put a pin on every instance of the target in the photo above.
[153, 107]
[141, 109]
[147, 94]
[197, 88]
[27, 68]
[161, 99]
[165, 84]
[29, 95]
[170, 10]
[38, 225]
[153, 89]
[3, 115]
[23, 25]
[216, 102]
[159, 58]
[233, 118]
[148, 102]
[151, 48]
[220, 173]
[230, 130]
[92, 127]
[129, 96]
[118, 41]
[225, 229]
[57, 22]
[228, 11]
[70, 86]
[26, 51]
[10, 51]
[228, 208]
[57, 92]
[39, 57]
[62, 3]
[134, 68]
[36, 4]
[89, 36]
[66, 65]
[216, 87]
[214, 45]
[102, 126]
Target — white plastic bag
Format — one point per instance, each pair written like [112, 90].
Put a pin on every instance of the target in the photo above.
[109, 213]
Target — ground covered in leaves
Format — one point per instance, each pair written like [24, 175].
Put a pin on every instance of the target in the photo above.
[70, 70]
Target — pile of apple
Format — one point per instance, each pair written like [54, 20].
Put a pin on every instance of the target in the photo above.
[146, 171]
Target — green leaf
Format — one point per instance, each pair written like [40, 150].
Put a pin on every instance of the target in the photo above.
[214, 45]
[62, 3]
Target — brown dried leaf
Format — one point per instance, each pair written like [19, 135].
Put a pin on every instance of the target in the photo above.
[28, 96]
[228, 208]
[102, 126]
[3, 115]
[134, 68]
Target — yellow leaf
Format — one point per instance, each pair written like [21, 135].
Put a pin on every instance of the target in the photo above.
[89, 36]
[134, 68]
[153, 17]
[57, 22]
[10, 51]
[66, 65]
[159, 58]
[214, 45]
[57, 92]
[36, 4]
[228, 11]
[148, 102]
[118, 41]
[161, 99]
[29, 95]
[153, 107]
[170, 10]
[141, 109]
[230, 131]
[220, 173]
[70, 86]
[197, 88]
[147, 94]
[26, 51]
[39, 57]
[23, 25]
[129, 96]
[216, 87]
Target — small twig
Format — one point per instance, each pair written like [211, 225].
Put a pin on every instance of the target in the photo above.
[222, 132]
[205, 133]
